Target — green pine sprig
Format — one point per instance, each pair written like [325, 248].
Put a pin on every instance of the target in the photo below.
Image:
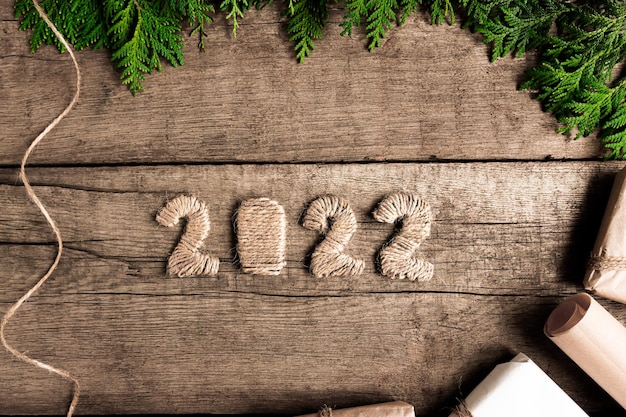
[235, 9]
[578, 45]
[307, 19]
[518, 26]
[141, 37]
[81, 22]
[357, 10]
[197, 14]
[381, 14]
[574, 78]
[440, 10]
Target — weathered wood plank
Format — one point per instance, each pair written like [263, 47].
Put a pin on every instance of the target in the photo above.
[243, 353]
[428, 93]
[529, 224]
[509, 241]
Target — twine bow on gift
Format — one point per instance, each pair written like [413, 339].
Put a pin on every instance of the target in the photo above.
[604, 262]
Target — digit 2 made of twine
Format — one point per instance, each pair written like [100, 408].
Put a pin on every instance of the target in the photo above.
[260, 230]
[334, 218]
[397, 258]
[188, 259]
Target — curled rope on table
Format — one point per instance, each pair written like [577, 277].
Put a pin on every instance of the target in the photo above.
[603, 262]
[29, 190]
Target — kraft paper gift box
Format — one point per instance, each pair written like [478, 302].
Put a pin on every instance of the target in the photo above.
[518, 388]
[391, 409]
[606, 271]
[592, 338]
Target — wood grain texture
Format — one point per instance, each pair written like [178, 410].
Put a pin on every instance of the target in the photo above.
[428, 93]
[509, 241]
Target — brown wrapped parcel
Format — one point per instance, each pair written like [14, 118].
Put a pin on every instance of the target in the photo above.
[606, 272]
[592, 338]
[392, 409]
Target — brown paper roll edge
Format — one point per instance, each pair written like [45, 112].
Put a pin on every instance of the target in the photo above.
[595, 346]
[567, 314]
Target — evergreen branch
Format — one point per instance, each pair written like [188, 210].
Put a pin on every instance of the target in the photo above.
[140, 39]
[93, 31]
[196, 12]
[307, 18]
[439, 10]
[576, 67]
[42, 34]
[356, 11]
[408, 7]
[479, 12]
[592, 108]
[235, 9]
[614, 133]
[517, 25]
[80, 21]
[380, 15]
[573, 77]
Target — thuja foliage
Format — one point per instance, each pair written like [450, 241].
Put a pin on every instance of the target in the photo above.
[578, 44]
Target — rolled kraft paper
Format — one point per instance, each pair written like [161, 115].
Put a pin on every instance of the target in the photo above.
[518, 388]
[594, 339]
[606, 272]
[392, 409]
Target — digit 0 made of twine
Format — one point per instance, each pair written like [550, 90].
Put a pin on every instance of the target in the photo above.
[187, 259]
[31, 194]
[333, 217]
[261, 237]
[397, 258]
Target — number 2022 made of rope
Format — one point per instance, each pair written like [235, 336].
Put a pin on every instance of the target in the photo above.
[261, 237]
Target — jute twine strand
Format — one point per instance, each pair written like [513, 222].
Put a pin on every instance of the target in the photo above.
[397, 259]
[603, 262]
[187, 259]
[31, 194]
[332, 216]
[461, 410]
[325, 411]
[261, 237]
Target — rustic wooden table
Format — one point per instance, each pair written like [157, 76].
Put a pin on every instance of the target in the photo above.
[517, 207]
